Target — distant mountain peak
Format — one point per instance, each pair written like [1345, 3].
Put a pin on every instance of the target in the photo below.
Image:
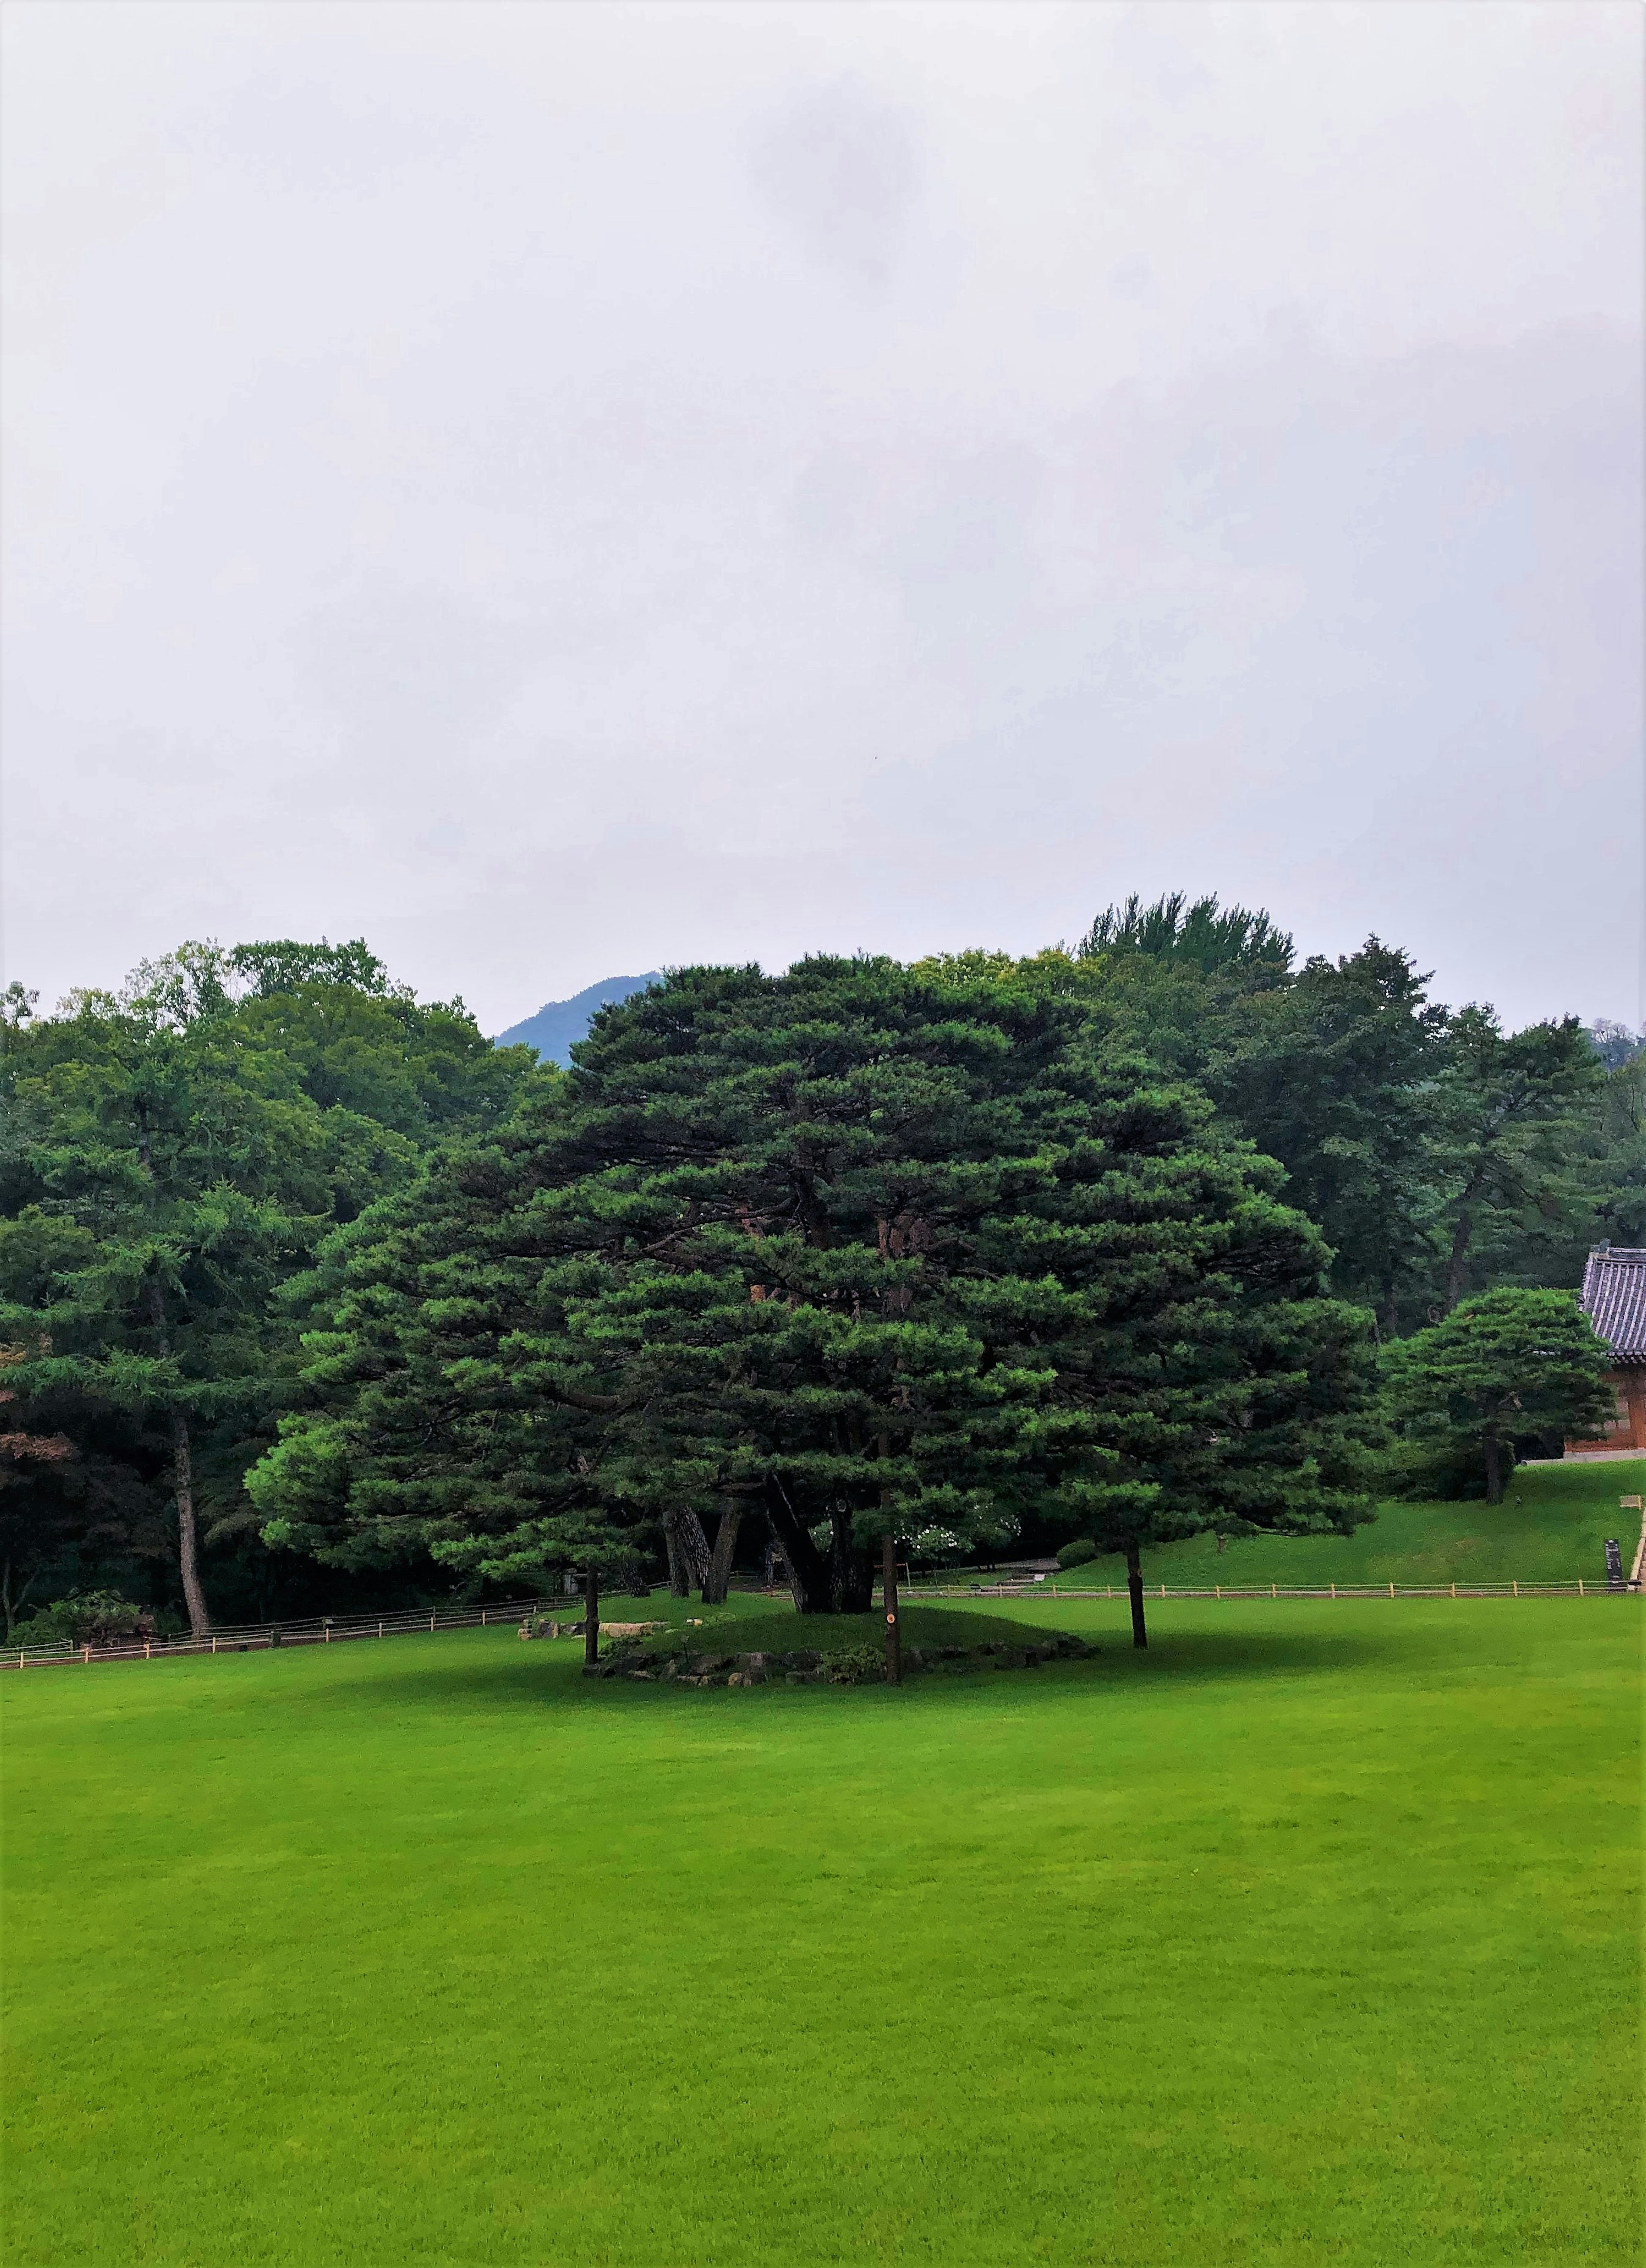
[559, 1024]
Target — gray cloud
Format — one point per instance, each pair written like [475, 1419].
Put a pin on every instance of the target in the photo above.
[577, 489]
[840, 166]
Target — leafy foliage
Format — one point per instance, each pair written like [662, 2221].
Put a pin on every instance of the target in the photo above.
[174, 1158]
[1507, 1363]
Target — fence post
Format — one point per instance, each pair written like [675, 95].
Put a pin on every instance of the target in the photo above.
[431, 1621]
[145, 1649]
[1515, 1587]
[1391, 1590]
[1454, 1590]
[1580, 1587]
[1273, 1592]
[88, 1657]
[1334, 1590]
[214, 1642]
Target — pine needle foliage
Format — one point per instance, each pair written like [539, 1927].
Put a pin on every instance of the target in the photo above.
[859, 1250]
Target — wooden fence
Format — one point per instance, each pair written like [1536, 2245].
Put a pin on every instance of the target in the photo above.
[329, 1630]
[1581, 1588]
[323, 1629]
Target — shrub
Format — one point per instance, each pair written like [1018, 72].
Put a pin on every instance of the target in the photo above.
[1076, 1554]
[852, 1664]
[86, 1618]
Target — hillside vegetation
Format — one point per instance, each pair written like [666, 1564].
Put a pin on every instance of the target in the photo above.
[1551, 1528]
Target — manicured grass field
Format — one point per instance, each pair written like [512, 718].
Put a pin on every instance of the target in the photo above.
[1551, 1528]
[1310, 1936]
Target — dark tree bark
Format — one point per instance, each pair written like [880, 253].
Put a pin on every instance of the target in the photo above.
[694, 1544]
[1494, 1468]
[182, 1467]
[590, 1619]
[719, 1575]
[808, 1569]
[679, 1573]
[894, 1627]
[1135, 1585]
[851, 1571]
[1462, 1238]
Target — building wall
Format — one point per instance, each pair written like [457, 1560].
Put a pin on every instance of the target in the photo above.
[1627, 1429]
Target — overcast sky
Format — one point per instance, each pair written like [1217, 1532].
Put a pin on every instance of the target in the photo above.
[565, 489]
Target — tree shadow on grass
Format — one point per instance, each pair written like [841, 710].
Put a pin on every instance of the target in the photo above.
[1173, 1658]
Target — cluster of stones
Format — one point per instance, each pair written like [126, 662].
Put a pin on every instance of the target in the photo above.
[808, 1666]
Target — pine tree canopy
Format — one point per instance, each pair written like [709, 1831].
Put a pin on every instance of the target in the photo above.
[861, 1249]
[1509, 1362]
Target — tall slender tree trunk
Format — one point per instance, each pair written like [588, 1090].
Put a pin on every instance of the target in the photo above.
[719, 1576]
[590, 1619]
[894, 1627]
[188, 1556]
[1135, 1585]
[14, 1601]
[679, 1574]
[1391, 1309]
[1493, 1467]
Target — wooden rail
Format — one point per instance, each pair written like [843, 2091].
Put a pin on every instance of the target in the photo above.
[248, 1638]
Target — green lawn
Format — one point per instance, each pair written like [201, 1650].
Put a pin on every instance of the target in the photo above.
[1310, 1936]
[1551, 1528]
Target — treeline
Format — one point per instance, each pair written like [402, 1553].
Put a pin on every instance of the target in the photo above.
[315, 1298]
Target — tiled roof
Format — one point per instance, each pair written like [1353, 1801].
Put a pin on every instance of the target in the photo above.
[1614, 1298]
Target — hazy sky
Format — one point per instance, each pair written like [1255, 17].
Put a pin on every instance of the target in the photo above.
[562, 489]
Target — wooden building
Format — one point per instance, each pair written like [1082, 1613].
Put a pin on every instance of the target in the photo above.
[1614, 1298]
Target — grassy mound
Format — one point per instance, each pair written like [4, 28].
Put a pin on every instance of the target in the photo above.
[780, 1630]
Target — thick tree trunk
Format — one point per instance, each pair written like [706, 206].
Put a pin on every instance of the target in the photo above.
[1135, 1585]
[590, 1619]
[1390, 1309]
[679, 1574]
[808, 1569]
[694, 1546]
[851, 1571]
[1493, 1469]
[182, 1467]
[894, 1627]
[719, 1575]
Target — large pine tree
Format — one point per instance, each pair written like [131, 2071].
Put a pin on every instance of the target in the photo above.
[859, 1250]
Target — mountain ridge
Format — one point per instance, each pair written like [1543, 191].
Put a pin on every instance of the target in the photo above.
[559, 1024]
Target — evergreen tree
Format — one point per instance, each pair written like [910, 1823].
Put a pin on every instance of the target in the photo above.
[1334, 1076]
[867, 1251]
[1511, 1110]
[1505, 1364]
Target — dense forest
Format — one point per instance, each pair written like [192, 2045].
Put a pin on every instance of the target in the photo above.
[314, 1298]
